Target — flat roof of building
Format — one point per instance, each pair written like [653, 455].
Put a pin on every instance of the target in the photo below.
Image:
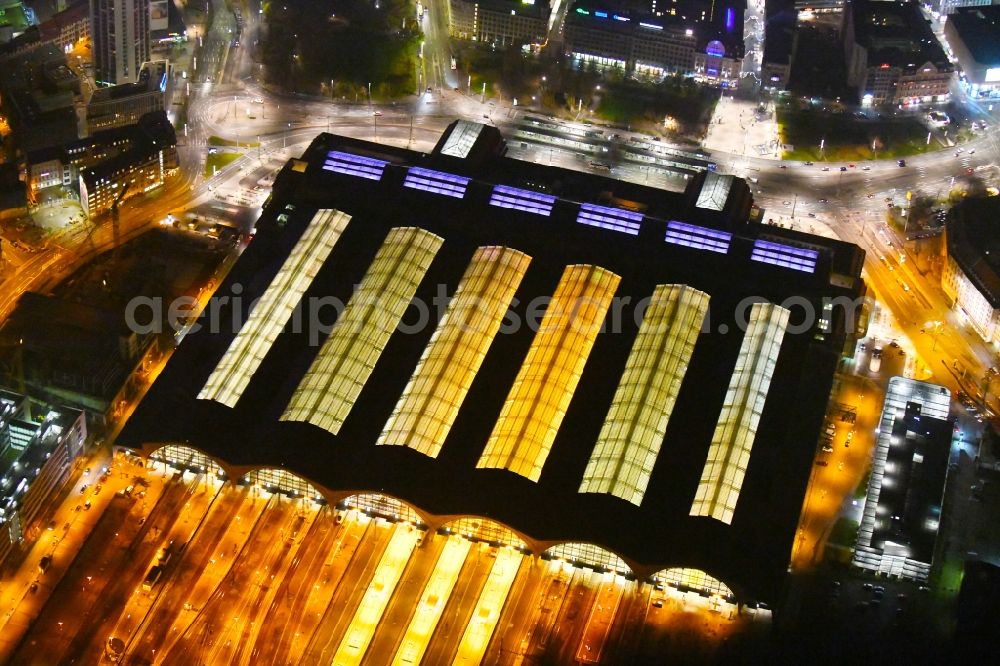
[896, 34]
[724, 26]
[972, 234]
[979, 28]
[352, 221]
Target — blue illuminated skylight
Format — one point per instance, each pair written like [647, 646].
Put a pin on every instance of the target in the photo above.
[438, 182]
[601, 14]
[526, 200]
[787, 256]
[700, 238]
[354, 165]
[615, 219]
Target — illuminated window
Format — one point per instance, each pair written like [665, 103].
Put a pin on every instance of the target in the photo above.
[329, 389]
[526, 200]
[700, 238]
[637, 419]
[729, 453]
[693, 579]
[537, 401]
[437, 182]
[615, 219]
[354, 165]
[787, 256]
[232, 375]
[428, 407]
[588, 555]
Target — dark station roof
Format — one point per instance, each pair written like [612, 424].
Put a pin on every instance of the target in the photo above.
[750, 555]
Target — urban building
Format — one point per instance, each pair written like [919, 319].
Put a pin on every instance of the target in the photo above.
[892, 55]
[151, 158]
[973, 33]
[499, 22]
[13, 194]
[694, 39]
[119, 32]
[780, 40]
[68, 27]
[38, 444]
[138, 143]
[947, 7]
[971, 275]
[38, 93]
[70, 352]
[902, 509]
[14, 20]
[64, 29]
[117, 106]
[819, 6]
[621, 375]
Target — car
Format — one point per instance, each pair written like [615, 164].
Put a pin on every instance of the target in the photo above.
[822, 463]
[658, 603]
[811, 214]
[97, 489]
[824, 200]
[972, 152]
[83, 489]
[871, 196]
[851, 165]
[86, 505]
[807, 163]
[782, 166]
[867, 586]
[827, 448]
[866, 168]
[377, 113]
[826, 168]
[212, 151]
[33, 587]
[901, 163]
[86, 472]
[429, 89]
[843, 168]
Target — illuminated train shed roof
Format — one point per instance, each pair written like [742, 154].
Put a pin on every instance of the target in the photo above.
[647, 406]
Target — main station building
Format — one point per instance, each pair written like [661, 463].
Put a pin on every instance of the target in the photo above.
[629, 378]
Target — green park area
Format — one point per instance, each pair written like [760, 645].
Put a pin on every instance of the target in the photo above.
[218, 161]
[219, 141]
[676, 104]
[847, 139]
[341, 49]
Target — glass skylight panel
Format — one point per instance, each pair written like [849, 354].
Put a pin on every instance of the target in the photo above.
[437, 182]
[636, 422]
[430, 403]
[714, 191]
[544, 386]
[699, 238]
[526, 200]
[787, 256]
[463, 136]
[728, 456]
[328, 391]
[354, 165]
[615, 219]
[247, 350]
